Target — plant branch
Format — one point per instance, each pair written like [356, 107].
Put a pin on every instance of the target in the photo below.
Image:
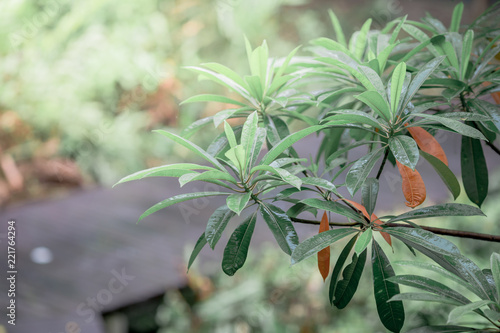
[333, 224]
[438, 231]
[452, 232]
[386, 154]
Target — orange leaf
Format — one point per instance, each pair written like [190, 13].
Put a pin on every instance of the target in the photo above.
[386, 236]
[324, 255]
[496, 96]
[413, 186]
[428, 143]
[372, 218]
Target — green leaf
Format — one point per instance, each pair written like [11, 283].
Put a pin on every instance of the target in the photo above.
[428, 285]
[191, 146]
[376, 102]
[238, 201]
[418, 266]
[456, 17]
[369, 193]
[424, 239]
[466, 51]
[235, 253]
[282, 173]
[319, 182]
[200, 244]
[474, 170]
[212, 98]
[363, 241]
[285, 143]
[455, 125]
[442, 329]
[337, 27]
[495, 269]
[179, 198]
[255, 87]
[361, 169]
[257, 143]
[217, 223]
[425, 297]
[458, 312]
[397, 80]
[486, 108]
[318, 242]
[171, 170]
[338, 266]
[374, 78]
[447, 209]
[230, 135]
[405, 150]
[281, 226]
[248, 134]
[227, 72]
[354, 116]
[209, 176]
[419, 79]
[333, 207]
[392, 314]
[444, 172]
[360, 44]
[346, 288]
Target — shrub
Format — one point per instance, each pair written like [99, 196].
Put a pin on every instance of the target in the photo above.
[378, 90]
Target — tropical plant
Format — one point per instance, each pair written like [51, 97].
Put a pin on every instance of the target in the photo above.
[380, 90]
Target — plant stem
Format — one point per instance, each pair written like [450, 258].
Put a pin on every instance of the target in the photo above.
[386, 154]
[438, 231]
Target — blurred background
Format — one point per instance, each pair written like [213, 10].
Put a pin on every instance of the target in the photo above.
[82, 86]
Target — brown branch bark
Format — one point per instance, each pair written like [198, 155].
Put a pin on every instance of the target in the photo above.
[438, 231]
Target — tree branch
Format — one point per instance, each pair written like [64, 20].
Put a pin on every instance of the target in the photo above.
[386, 154]
[438, 231]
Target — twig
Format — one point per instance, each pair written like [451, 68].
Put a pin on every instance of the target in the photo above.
[386, 154]
[438, 231]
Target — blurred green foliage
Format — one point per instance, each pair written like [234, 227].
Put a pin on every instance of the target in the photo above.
[97, 75]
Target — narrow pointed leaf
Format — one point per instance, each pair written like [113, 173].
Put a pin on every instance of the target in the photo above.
[391, 314]
[376, 102]
[324, 254]
[191, 146]
[424, 239]
[397, 80]
[171, 170]
[231, 138]
[217, 223]
[338, 28]
[212, 98]
[319, 182]
[466, 51]
[346, 288]
[458, 312]
[361, 170]
[281, 226]
[339, 265]
[248, 135]
[316, 243]
[200, 244]
[285, 143]
[429, 285]
[425, 297]
[495, 269]
[369, 193]
[360, 45]
[333, 207]
[363, 241]
[177, 199]
[445, 173]
[447, 209]
[474, 170]
[235, 253]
